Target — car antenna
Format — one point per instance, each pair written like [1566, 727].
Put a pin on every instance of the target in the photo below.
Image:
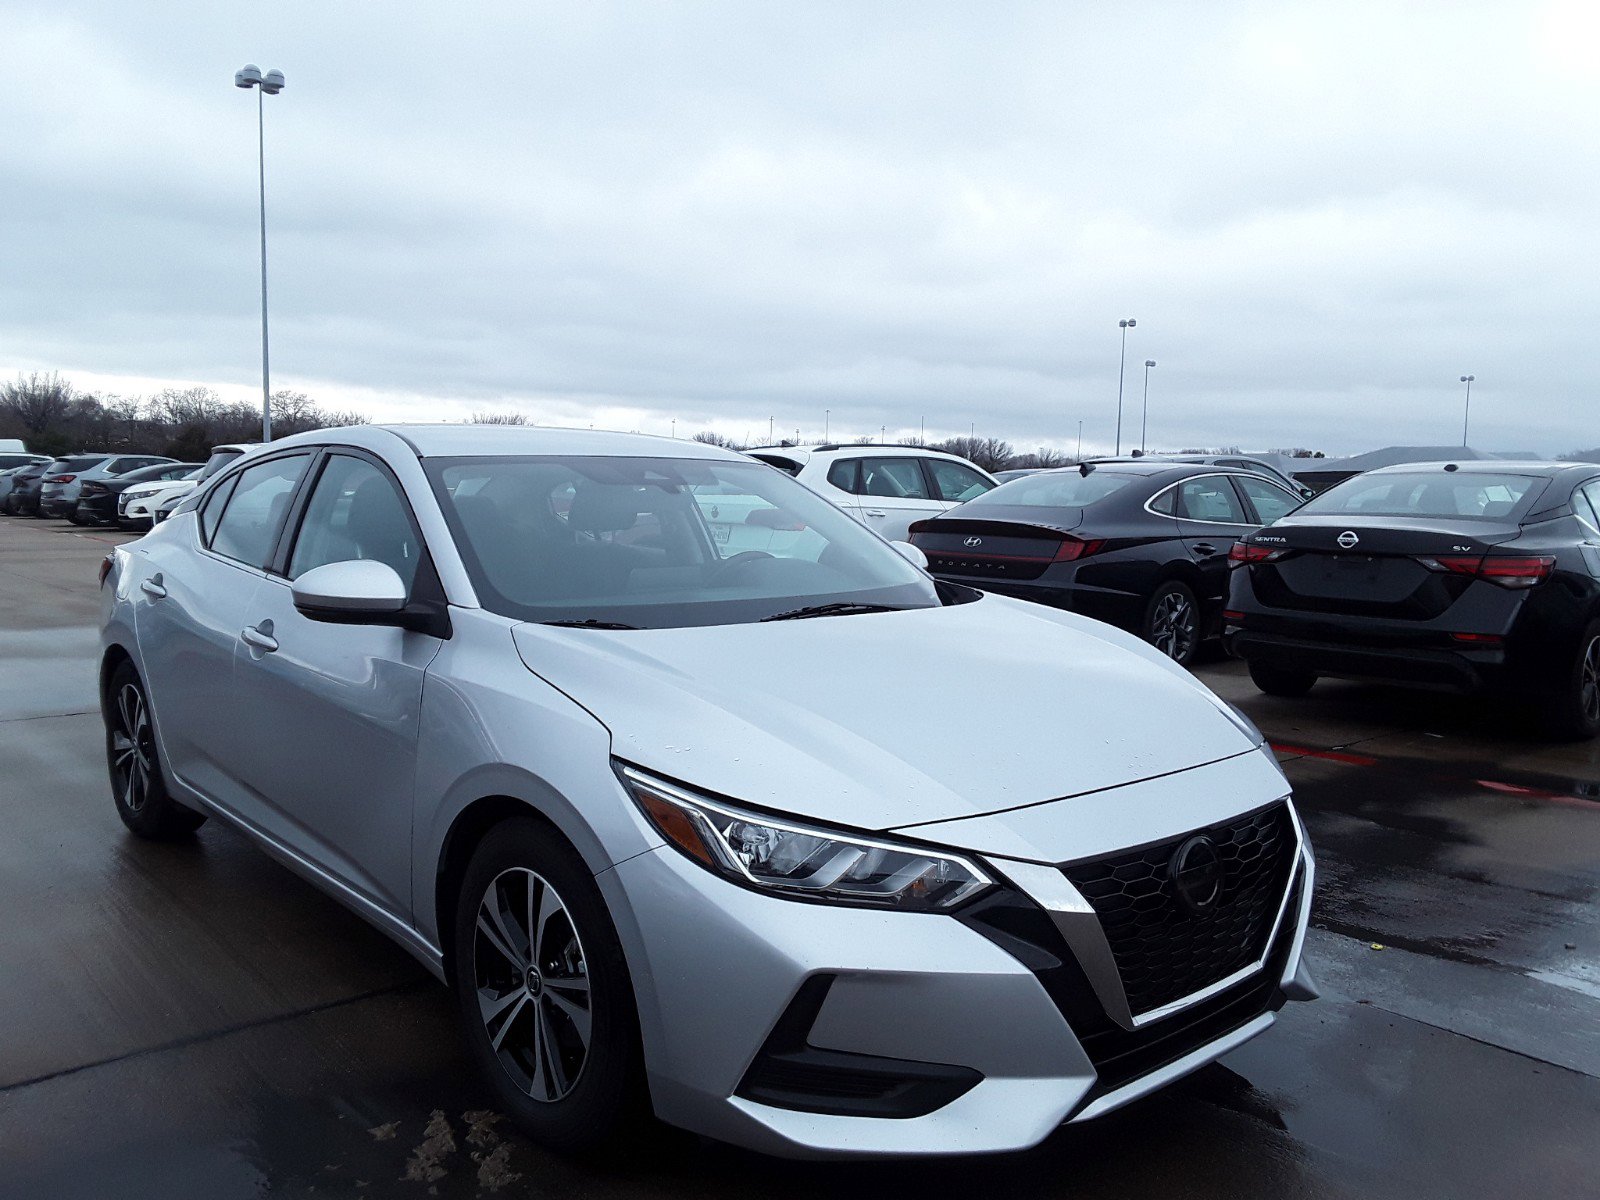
[1084, 468]
[1451, 467]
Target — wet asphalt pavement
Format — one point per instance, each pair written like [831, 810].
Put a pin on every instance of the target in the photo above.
[194, 1021]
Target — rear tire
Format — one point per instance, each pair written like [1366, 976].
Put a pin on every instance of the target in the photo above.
[1572, 713]
[1172, 622]
[138, 785]
[1281, 681]
[565, 986]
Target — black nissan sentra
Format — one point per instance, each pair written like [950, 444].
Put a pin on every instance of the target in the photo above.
[1140, 545]
[1470, 576]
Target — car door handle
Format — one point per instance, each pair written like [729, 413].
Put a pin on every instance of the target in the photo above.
[260, 636]
[1204, 549]
[876, 512]
[152, 587]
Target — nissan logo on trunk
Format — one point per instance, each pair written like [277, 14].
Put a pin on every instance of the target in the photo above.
[1347, 539]
[972, 543]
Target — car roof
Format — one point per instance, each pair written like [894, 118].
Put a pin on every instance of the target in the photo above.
[1486, 466]
[470, 441]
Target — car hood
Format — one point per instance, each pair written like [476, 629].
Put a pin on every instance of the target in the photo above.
[887, 719]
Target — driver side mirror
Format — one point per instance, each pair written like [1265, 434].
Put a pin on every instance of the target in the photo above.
[911, 554]
[357, 592]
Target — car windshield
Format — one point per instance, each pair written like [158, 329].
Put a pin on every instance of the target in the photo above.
[659, 542]
[1471, 495]
[1067, 488]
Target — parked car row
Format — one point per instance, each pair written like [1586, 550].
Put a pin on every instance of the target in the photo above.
[132, 491]
[1481, 577]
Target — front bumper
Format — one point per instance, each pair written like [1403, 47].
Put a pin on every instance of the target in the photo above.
[993, 1008]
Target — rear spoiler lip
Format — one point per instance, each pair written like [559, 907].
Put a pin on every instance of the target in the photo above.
[996, 527]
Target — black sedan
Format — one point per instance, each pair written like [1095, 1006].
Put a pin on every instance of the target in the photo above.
[1476, 576]
[1140, 545]
[97, 500]
[23, 498]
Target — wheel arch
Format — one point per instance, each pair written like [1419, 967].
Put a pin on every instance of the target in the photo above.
[466, 833]
[113, 657]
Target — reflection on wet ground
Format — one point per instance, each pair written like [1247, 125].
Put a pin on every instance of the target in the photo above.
[196, 1022]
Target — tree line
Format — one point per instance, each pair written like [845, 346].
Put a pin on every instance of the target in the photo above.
[53, 417]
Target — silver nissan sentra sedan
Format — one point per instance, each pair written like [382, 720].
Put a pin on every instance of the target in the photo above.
[693, 789]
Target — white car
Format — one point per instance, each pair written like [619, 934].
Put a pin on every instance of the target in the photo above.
[137, 505]
[886, 488]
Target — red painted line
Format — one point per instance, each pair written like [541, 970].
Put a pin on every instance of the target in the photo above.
[1338, 756]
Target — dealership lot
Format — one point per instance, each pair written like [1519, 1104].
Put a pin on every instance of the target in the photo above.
[252, 1036]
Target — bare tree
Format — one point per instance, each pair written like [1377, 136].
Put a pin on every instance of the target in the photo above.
[711, 437]
[505, 418]
[991, 454]
[36, 402]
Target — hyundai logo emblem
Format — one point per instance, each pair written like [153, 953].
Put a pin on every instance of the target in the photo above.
[1348, 539]
[1196, 873]
[973, 542]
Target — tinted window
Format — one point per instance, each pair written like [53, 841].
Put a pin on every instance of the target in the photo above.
[1165, 502]
[1471, 495]
[1583, 503]
[779, 461]
[1269, 501]
[1056, 489]
[249, 522]
[81, 463]
[632, 540]
[955, 482]
[356, 513]
[893, 478]
[1209, 498]
[845, 475]
[218, 460]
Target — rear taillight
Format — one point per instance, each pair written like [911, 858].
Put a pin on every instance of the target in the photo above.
[1244, 552]
[59, 478]
[1478, 639]
[105, 569]
[1074, 548]
[94, 489]
[1504, 570]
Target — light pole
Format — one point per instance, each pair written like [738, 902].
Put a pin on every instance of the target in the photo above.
[1144, 423]
[1080, 439]
[1121, 363]
[1466, 414]
[827, 416]
[270, 84]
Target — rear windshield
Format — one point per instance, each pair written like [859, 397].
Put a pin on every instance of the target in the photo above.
[1054, 489]
[81, 463]
[1473, 496]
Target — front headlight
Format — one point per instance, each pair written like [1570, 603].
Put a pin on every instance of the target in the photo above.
[803, 862]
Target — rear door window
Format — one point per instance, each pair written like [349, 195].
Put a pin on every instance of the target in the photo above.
[248, 528]
[846, 475]
[1210, 498]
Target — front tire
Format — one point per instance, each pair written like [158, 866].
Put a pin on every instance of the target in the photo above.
[543, 990]
[138, 786]
[1573, 711]
[1172, 622]
[1281, 681]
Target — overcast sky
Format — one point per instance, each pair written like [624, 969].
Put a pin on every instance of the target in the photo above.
[1321, 215]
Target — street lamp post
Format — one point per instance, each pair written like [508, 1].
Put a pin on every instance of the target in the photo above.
[1144, 423]
[269, 84]
[1080, 439]
[827, 416]
[1121, 363]
[1466, 414]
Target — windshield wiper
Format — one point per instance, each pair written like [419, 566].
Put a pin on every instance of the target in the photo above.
[590, 623]
[829, 610]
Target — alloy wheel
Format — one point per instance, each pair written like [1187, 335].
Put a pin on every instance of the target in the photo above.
[533, 984]
[132, 748]
[1589, 682]
[1172, 626]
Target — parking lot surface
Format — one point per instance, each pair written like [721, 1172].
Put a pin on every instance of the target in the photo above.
[195, 1021]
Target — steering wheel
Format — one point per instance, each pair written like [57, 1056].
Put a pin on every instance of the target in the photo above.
[728, 564]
